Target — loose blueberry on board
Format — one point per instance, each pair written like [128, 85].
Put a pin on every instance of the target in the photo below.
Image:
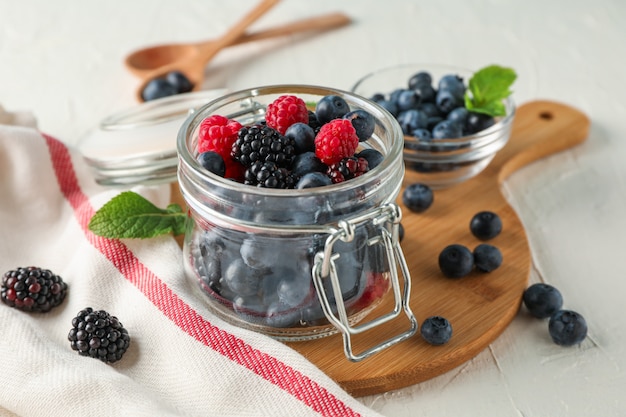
[436, 330]
[331, 107]
[567, 328]
[303, 136]
[542, 300]
[212, 162]
[418, 197]
[312, 180]
[158, 88]
[456, 261]
[487, 258]
[363, 122]
[485, 225]
[372, 156]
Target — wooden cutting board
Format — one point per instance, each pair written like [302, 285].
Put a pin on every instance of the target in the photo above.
[479, 306]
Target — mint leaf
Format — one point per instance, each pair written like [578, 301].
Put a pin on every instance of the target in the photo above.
[129, 215]
[487, 88]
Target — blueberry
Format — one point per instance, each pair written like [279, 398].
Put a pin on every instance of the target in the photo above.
[458, 115]
[393, 96]
[436, 330]
[305, 163]
[452, 83]
[432, 122]
[426, 93]
[363, 122]
[158, 88]
[372, 156]
[447, 101]
[422, 134]
[312, 180]
[477, 122]
[485, 225]
[487, 257]
[410, 120]
[241, 279]
[259, 254]
[456, 261]
[567, 328]
[418, 197]
[430, 109]
[407, 99]
[212, 162]
[303, 136]
[331, 107]
[390, 106]
[293, 292]
[447, 129]
[420, 78]
[376, 97]
[179, 80]
[542, 300]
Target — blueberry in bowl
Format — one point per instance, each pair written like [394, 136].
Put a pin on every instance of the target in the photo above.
[454, 120]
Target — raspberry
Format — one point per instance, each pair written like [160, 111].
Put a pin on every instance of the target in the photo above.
[347, 169]
[285, 111]
[336, 140]
[32, 289]
[264, 144]
[99, 335]
[217, 133]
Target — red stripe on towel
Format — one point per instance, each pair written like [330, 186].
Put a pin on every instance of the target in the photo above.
[180, 313]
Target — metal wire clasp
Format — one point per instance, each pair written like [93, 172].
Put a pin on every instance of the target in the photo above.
[386, 220]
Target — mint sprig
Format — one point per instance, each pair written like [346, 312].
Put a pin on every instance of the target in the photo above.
[129, 215]
[487, 88]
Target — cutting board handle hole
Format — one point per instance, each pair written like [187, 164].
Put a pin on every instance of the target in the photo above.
[546, 115]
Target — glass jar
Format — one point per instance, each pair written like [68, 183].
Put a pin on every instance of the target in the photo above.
[296, 264]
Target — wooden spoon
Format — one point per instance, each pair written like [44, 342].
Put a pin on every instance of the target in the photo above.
[193, 66]
[144, 62]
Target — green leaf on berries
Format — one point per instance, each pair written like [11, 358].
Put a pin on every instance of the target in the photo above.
[487, 88]
[129, 215]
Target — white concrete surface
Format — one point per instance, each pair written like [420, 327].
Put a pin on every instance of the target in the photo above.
[62, 60]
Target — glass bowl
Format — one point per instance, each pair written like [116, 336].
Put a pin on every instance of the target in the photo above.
[440, 163]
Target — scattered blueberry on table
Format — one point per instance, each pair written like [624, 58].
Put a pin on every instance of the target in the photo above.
[436, 330]
[542, 300]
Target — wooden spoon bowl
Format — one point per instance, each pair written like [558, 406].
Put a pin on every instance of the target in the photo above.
[143, 62]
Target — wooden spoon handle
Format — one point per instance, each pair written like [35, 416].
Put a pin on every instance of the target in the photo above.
[328, 21]
[208, 51]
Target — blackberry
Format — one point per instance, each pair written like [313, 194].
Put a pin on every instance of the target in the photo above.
[32, 289]
[269, 175]
[99, 335]
[259, 143]
[347, 169]
[314, 123]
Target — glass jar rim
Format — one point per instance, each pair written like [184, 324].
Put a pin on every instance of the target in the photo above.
[186, 156]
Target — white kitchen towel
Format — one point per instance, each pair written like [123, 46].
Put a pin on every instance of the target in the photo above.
[182, 361]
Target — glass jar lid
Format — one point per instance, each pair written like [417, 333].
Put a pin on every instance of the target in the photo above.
[138, 145]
